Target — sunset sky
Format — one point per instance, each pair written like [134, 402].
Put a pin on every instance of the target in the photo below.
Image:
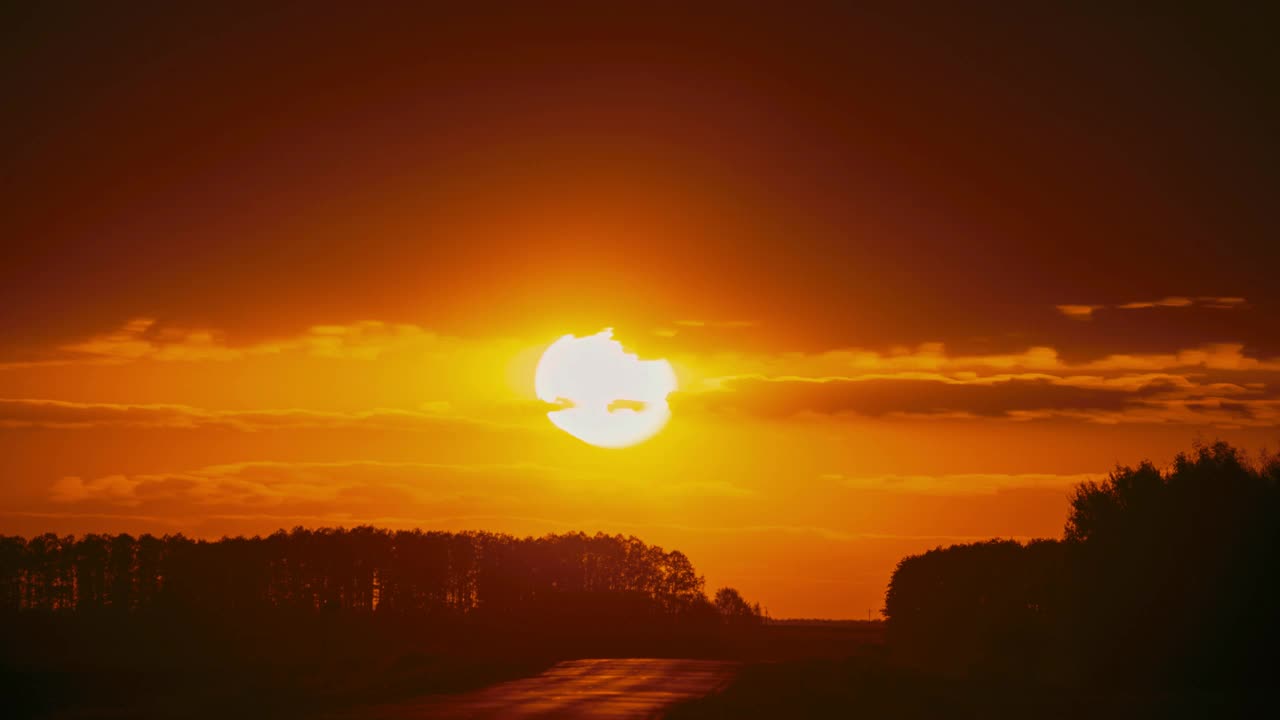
[916, 274]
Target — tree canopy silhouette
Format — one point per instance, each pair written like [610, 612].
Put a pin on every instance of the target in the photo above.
[1160, 577]
[735, 610]
[362, 570]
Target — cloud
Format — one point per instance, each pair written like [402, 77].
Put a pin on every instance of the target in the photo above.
[270, 494]
[79, 516]
[1170, 302]
[728, 324]
[116, 488]
[270, 483]
[702, 325]
[877, 396]
[1216, 384]
[1222, 303]
[1219, 412]
[1081, 312]
[962, 484]
[364, 488]
[1219, 356]
[144, 338]
[58, 414]
[1127, 398]
[1085, 312]
[927, 357]
[931, 360]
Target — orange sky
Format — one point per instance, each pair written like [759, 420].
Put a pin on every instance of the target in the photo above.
[916, 275]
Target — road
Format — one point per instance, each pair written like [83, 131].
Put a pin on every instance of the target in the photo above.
[617, 689]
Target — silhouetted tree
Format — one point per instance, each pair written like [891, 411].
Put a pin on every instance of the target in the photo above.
[1162, 577]
[978, 605]
[734, 609]
[1175, 572]
[360, 572]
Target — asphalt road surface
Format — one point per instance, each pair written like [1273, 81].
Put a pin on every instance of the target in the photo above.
[576, 690]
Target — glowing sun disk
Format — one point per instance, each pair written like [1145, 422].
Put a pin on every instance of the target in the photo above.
[608, 397]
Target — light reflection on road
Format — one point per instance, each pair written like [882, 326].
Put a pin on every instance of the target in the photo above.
[608, 688]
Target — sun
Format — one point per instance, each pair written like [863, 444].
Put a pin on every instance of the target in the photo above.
[609, 398]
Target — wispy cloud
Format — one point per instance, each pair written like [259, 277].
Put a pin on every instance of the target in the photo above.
[1168, 302]
[1086, 312]
[146, 339]
[1216, 385]
[1222, 303]
[274, 483]
[694, 325]
[934, 359]
[367, 486]
[961, 484]
[1081, 312]
[58, 414]
[1217, 356]
[878, 396]
[715, 323]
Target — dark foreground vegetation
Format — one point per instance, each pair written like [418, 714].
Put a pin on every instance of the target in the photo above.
[1160, 600]
[308, 620]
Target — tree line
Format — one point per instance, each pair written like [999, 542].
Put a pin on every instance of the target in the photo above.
[364, 570]
[1161, 577]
